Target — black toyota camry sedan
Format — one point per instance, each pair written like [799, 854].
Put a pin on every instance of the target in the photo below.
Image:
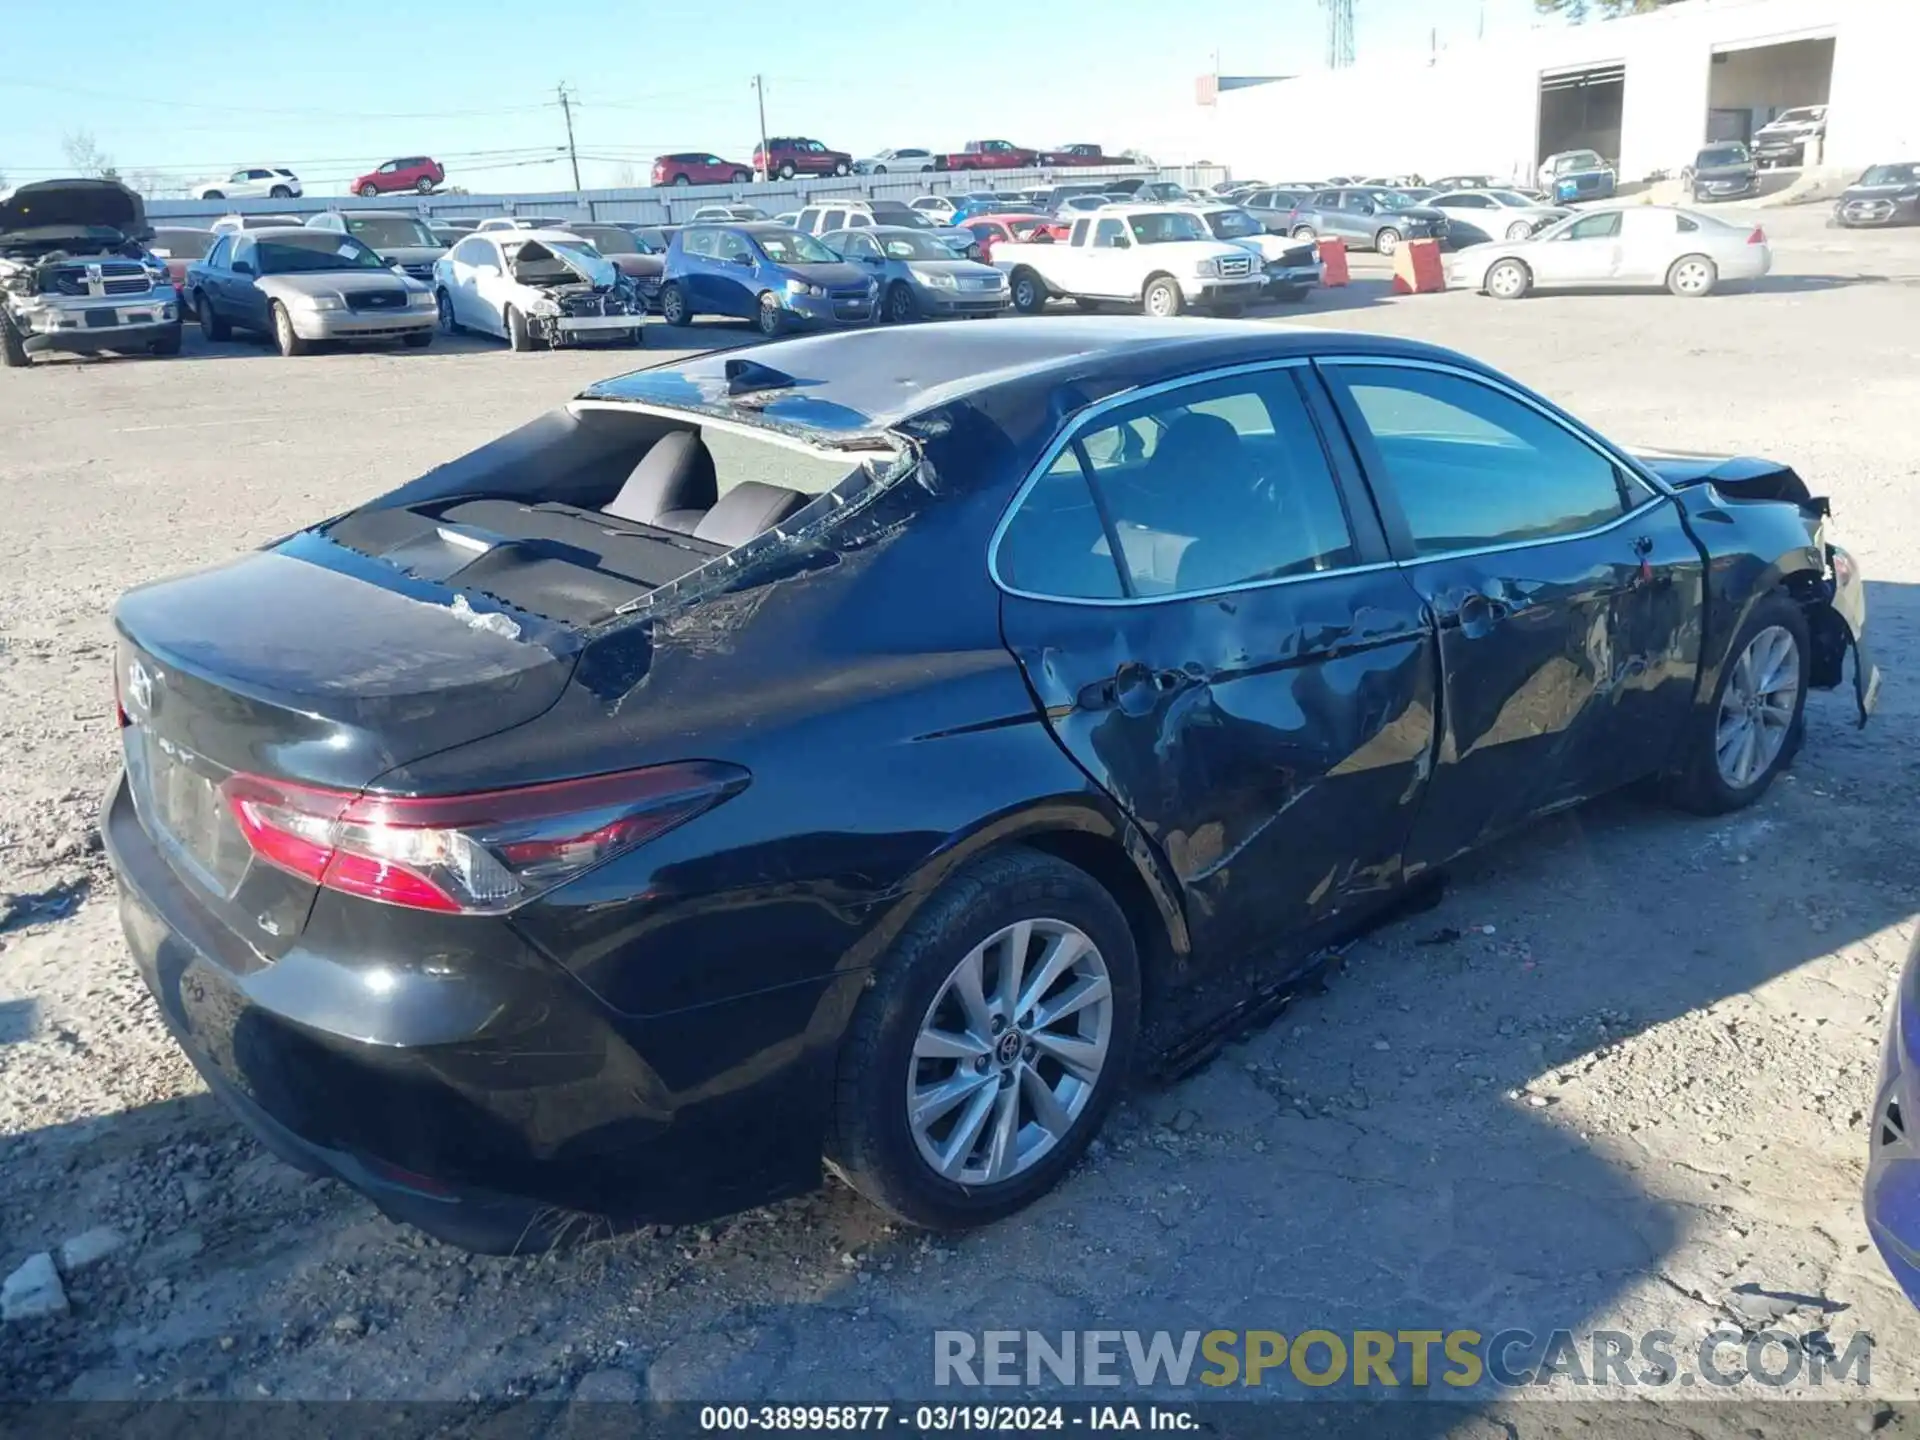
[836, 752]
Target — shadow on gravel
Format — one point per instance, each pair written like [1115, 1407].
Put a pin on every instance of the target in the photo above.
[1807, 284]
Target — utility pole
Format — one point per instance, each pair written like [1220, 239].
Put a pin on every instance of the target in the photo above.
[766, 153]
[566, 109]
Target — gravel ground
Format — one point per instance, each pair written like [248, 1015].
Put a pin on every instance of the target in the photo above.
[1617, 1081]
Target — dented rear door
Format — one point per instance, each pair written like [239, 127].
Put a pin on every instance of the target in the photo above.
[1271, 734]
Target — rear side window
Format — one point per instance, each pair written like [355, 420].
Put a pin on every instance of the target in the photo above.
[1471, 466]
[1212, 485]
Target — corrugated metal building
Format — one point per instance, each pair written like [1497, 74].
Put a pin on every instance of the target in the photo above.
[1646, 90]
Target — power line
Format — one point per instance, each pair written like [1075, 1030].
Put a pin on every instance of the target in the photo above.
[334, 113]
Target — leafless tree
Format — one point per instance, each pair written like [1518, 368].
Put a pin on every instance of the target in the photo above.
[86, 156]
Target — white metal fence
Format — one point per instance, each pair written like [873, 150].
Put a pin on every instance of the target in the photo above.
[671, 205]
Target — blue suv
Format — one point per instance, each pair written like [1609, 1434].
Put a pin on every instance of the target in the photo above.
[770, 274]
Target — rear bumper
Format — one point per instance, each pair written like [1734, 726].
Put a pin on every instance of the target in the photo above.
[466, 1084]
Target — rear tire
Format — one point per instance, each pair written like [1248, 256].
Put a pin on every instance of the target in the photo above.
[279, 192]
[1305, 232]
[1509, 280]
[13, 349]
[369, 190]
[214, 195]
[1692, 277]
[211, 325]
[169, 344]
[1753, 684]
[285, 338]
[443, 302]
[673, 304]
[1386, 241]
[885, 1055]
[741, 177]
[682, 179]
[423, 186]
[1162, 298]
[519, 337]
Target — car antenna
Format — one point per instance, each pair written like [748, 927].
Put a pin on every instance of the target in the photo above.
[746, 376]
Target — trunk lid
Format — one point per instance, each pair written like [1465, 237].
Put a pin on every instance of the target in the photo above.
[353, 669]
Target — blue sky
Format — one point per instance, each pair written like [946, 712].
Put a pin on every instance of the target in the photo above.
[334, 90]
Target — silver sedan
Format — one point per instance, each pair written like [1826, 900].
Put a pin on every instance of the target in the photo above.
[1642, 246]
[1500, 213]
[919, 276]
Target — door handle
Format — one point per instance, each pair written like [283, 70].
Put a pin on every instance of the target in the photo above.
[1134, 688]
[1479, 614]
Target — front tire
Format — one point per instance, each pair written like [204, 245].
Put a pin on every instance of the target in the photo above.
[770, 320]
[443, 302]
[786, 171]
[369, 190]
[1162, 298]
[1305, 232]
[13, 349]
[840, 167]
[285, 338]
[1693, 277]
[994, 1039]
[1749, 734]
[211, 325]
[1029, 292]
[1509, 280]
[902, 306]
[519, 337]
[1387, 241]
[214, 195]
[673, 304]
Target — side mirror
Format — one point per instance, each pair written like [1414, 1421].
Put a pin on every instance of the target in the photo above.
[745, 262]
[1121, 242]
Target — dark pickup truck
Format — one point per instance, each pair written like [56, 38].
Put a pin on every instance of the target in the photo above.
[1069, 156]
[988, 155]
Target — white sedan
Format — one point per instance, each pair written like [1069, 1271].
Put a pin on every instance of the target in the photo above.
[255, 182]
[1499, 213]
[535, 287]
[1635, 246]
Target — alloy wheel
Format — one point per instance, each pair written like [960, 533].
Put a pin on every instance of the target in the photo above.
[1010, 1052]
[444, 303]
[1506, 281]
[1757, 707]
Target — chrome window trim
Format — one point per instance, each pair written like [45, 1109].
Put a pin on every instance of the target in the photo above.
[1078, 422]
[1660, 490]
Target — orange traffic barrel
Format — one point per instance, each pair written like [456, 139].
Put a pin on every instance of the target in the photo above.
[1333, 261]
[1417, 269]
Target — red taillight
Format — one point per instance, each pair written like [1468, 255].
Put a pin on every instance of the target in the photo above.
[120, 716]
[1758, 237]
[481, 853]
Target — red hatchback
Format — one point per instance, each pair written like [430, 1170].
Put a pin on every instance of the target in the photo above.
[696, 167]
[989, 230]
[419, 173]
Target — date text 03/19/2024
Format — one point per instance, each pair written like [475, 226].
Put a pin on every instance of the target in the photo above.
[814, 1419]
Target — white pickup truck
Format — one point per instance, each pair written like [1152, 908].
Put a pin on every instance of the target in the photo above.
[1161, 258]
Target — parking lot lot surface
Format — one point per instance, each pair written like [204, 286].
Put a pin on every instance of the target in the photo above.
[1618, 1080]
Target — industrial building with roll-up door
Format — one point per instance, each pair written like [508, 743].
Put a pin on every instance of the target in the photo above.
[1646, 91]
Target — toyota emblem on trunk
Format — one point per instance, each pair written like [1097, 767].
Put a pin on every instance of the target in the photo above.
[140, 688]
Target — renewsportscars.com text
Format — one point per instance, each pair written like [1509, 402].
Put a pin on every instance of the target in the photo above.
[1384, 1360]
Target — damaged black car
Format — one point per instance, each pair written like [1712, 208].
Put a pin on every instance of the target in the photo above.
[852, 753]
[76, 275]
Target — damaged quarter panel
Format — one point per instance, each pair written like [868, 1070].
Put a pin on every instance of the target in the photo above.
[861, 678]
[1253, 683]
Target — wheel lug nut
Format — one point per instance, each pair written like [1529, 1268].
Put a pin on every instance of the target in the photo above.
[1030, 1051]
[981, 1064]
[997, 1024]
